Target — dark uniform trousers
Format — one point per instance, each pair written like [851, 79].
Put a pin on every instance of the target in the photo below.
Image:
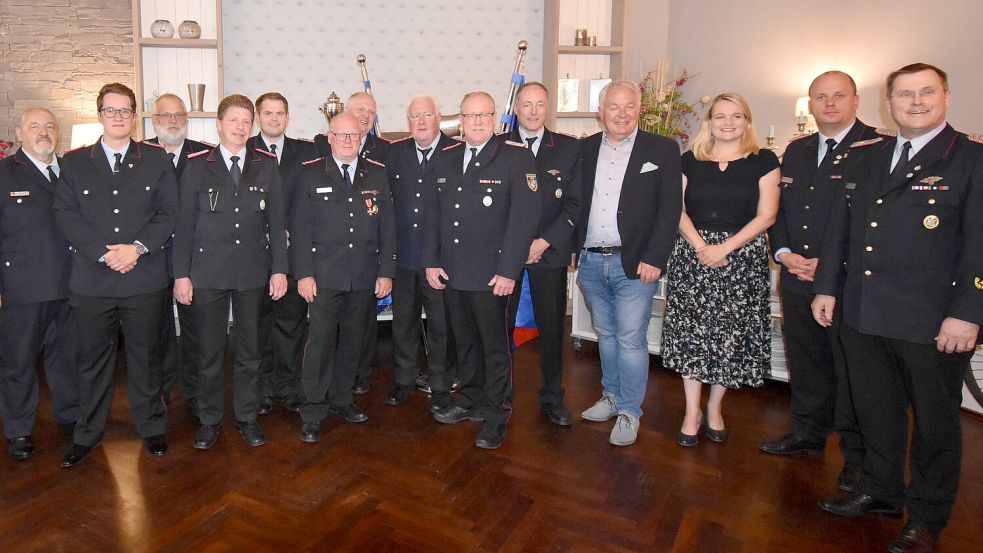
[480, 323]
[411, 293]
[903, 255]
[179, 355]
[282, 323]
[94, 207]
[210, 309]
[820, 391]
[99, 322]
[25, 331]
[820, 399]
[343, 237]
[333, 348]
[560, 179]
[281, 331]
[903, 374]
[35, 265]
[481, 224]
[548, 291]
[229, 239]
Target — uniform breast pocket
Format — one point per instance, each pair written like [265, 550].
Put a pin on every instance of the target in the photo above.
[18, 207]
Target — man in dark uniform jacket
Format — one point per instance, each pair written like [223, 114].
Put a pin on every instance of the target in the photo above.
[479, 227]
[343, 256]
[283, 321]
[558, 167]
[34, 269]
[230, 244]
[905, 249]
[116, 203]
[632, 204]
[179, 360]
[362, 105]
[411, 165]
[813, 169]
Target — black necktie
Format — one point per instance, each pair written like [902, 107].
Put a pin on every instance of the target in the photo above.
[530, 141]
[235, 171]
[118, 166]
[424, 153]
[348, 178]
[899, 168]
[273, 151]
[171, 156]
[474, 154]
[51, 175]
[830, 144]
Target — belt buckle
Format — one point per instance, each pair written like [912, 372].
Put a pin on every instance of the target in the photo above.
[607, 250]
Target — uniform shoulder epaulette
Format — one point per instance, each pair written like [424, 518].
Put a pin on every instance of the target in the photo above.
[209, 144]
[886, 132]
[516, 144]
[868, 142]
[384, 139]
[799, 137]
[264, 152]
[452, 146]
[398, 140]
[77, 148]
[374, 162]
[312, 161]
[978, 138]
[565, 134]
[154, 144]
[198, 154]
[308, 140]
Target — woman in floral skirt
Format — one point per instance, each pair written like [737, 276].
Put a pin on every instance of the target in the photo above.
[717, 327]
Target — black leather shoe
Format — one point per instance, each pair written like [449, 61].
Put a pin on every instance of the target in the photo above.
[292, 403]
[422, 383]
[252, 432]
[361, 386]
[20, 448]
[456, 414]
[206, 436]
[715, 436]
[790, 444]
[156, 445]
[858, 504]
[915, 537]
[351, 413]
[310, 432]
[398, 394]
[75, 455]
[850, 477]
[265, 405]
[558, 414]
[491, 435]
[439, 400]
[689, 440]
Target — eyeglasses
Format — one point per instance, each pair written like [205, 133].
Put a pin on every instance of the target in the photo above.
[345, 135]
[176, 116]
[416, 116]
[909, 95]
[111, 113]
[478, 116]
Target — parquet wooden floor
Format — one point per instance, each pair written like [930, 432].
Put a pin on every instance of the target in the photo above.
[403, 482]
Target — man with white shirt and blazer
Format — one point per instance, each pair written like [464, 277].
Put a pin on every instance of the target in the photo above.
[632, 204]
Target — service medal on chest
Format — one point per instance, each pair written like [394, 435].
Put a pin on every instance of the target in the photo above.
[930, 222]
[262, 205]
[559, 193]
[487, 201]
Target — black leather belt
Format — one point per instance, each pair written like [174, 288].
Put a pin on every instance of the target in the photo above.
[605, 250]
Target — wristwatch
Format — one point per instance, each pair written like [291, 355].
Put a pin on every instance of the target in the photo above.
[141, 249]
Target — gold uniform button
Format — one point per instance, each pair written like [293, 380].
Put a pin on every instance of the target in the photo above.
[805, 247]
[236, 210]
[879, 201]
[237, 242]
[114, 211]
[237, 225]
[867, 273]
[805, 227]
[807, 208]
[869, 248]
[874, 224]
[931, 201]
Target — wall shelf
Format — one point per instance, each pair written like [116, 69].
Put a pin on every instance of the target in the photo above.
[179, 42]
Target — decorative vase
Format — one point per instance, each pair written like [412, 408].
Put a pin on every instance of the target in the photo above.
[161, 28]
[189, 29]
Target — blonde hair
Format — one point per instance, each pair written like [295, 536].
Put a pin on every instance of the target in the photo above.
[704, 141]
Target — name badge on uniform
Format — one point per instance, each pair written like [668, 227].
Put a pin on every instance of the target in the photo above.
[787, 180]
[441, 180]
[20, 194]
[489, 181]
[323, 190]
[851, 186]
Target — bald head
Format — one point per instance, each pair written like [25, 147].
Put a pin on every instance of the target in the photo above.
[362, 105]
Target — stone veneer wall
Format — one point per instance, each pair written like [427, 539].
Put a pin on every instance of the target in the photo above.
[57, 54]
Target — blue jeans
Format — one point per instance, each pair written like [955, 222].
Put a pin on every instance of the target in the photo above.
[620, 309]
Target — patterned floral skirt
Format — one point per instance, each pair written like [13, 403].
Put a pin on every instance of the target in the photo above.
[717, 327]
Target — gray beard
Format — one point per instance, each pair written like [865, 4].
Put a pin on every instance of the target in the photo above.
[172, 139]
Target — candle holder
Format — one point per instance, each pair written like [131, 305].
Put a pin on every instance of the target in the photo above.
[771, 142]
